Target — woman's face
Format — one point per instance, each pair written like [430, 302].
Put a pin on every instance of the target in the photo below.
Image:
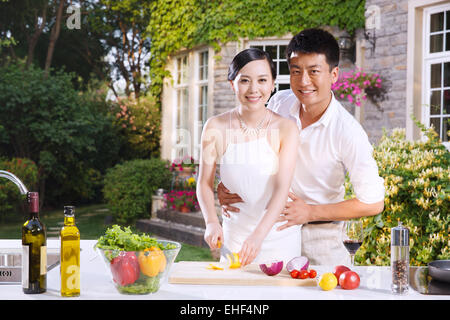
[254, 84]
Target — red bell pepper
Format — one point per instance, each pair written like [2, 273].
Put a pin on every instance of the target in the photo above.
[125, 268]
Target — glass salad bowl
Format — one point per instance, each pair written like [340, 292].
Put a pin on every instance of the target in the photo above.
[140, 272]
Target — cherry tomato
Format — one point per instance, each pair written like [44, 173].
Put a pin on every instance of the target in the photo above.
[312, 273]
[303, 274]
[294, 274]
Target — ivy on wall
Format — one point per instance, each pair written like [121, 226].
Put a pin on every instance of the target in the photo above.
[177, 24]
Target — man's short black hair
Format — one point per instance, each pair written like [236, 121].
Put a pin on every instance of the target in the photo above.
[315, 41]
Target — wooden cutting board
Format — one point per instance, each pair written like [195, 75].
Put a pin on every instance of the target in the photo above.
[196, 272]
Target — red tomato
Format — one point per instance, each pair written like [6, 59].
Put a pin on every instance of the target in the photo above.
[339, 270]
[312, 273]
[303, 274]
[294, 274]
[349, 280]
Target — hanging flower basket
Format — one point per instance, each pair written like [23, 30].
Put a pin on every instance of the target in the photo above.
[357, 85]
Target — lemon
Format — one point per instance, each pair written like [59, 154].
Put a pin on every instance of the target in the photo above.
[328, 281]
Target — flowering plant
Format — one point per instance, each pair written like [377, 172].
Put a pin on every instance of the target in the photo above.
[139, 121]
[356, 85]
[176, 199]
[185, 162]
[417, 193]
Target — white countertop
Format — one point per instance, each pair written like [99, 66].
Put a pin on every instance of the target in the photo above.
[96, 284]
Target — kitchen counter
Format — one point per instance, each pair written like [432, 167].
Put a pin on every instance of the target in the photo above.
[96, 284]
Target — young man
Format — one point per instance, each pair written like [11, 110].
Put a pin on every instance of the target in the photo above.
[332, 143]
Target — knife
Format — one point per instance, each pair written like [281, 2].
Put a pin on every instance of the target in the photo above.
[224, 251]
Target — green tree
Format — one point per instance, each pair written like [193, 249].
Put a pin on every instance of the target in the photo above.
[36, 31]
[122, 27]
[68, 135]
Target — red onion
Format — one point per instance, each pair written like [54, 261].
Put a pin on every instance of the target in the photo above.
[297, 263]
[272, 269]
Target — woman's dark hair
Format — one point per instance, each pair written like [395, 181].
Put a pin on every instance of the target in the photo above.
[315, 41]
[246, 56]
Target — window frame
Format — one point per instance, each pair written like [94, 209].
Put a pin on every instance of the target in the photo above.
[179, 141]
[281, 79]
[199, 84]
[433, 58]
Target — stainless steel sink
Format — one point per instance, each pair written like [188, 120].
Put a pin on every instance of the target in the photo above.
[11, 264]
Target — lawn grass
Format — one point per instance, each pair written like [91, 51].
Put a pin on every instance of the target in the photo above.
[92, 221]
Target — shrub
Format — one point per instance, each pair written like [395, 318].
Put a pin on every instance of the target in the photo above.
[128, 187]
[139, 122]
[11, 201]
[416, 178]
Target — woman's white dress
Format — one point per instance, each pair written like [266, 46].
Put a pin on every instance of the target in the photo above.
[249, 169]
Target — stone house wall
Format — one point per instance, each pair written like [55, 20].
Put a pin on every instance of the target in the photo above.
[389, 59]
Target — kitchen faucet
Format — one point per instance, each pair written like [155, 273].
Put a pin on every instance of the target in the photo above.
[15, 180]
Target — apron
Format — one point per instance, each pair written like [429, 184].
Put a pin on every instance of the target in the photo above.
[322, 244]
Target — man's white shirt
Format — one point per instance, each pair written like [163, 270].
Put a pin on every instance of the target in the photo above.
[329, 148]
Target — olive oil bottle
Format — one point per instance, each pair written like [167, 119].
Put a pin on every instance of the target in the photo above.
[70, 255]
[34, 249]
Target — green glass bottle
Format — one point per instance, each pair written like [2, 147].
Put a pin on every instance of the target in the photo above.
[34, 249]
[70, 255]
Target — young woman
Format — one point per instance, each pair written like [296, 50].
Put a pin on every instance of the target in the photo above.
[256, 151]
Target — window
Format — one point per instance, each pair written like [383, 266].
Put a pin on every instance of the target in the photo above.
[202, 100]
[276, 50]
[437, 70]
[181, 117]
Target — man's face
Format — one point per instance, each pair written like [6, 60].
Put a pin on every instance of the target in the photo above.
[311, 79]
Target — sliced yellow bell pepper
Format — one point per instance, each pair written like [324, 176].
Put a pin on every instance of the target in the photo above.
[234, 261]
[213, 267]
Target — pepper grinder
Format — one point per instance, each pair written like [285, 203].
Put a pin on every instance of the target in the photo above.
[400, 259]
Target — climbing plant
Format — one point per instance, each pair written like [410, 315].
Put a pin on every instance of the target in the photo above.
[177, 24]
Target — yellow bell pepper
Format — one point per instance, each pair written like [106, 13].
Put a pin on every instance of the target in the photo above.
[234, 261]
[213, 267]
[162, 257]
[152, 261]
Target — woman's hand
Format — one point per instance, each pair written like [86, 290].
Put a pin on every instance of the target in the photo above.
[213, 234]
[250, 249]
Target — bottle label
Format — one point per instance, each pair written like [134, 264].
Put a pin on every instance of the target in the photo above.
[25, 266]
[43, 260]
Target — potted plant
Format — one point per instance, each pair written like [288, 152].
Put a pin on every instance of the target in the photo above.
[182, 200]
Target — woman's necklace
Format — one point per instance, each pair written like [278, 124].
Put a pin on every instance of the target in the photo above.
[251, 131]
